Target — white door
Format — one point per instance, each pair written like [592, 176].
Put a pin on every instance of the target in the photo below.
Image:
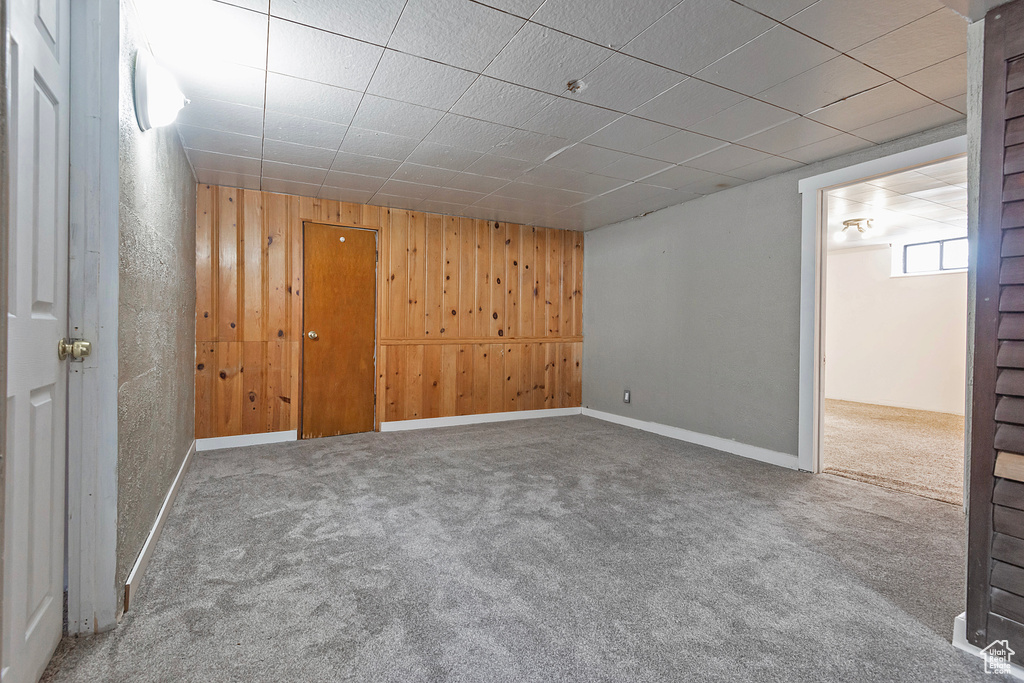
[33, 573]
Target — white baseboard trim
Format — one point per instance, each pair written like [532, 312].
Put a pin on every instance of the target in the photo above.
[216, 442]
[716, 442]
[433, 422]
[960, 642]
[131, 587]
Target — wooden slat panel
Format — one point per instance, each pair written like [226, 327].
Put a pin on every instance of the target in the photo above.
[1008, 549]
[1010, 383]
[467, 278]
[527, 378]
[394, 383]
[434, 263]
[527, 271]
[1011, 325]
[451, 271]
[1013, 243]
[1008, 521]
[253, 371]
[1011, 355]
[1010, 437]
[496, 379]
[551, 387]
[228, 305]
[1008, 577]
[205, 304]
[1010, 410]
[1011, 299]
[482, 311]
[1015, 131]
[398, 281]
[1007, 605]
[1014, 75]
[1009, 494]
[206, 372]
[481, 378]
[568, 282]
[1013, 161]
[227, 389]
[416, 313]
[413, 386]
[464, 380]
[1013, 215]
[431, 381]
[496, 319]
[279, 393]
[449, 380]
[553, 288]
[1013, 187]
[540, 282]
[1014, 108]
[1009, 465]
[513, 325]
[577, 264]
[253, 250]
[1011, 271]
[512, 352]
[577, 377]
[1001, 628]
[278, 268]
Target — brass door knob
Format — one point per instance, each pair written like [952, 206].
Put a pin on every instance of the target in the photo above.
[76, 348]
[313, 335]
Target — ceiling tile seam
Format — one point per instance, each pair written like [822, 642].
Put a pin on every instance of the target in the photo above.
[266, 80]
[362, 97]
[479, 74]
[244, 9]
[511, 14]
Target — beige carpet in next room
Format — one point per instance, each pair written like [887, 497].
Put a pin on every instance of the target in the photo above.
[915, 451]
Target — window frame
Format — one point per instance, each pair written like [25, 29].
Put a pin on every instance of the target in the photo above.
[942, 253]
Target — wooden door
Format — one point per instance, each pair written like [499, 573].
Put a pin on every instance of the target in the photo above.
[995, 553]
[39, 133]
[339, 324]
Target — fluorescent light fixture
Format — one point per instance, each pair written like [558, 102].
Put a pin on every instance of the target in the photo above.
[157, 96]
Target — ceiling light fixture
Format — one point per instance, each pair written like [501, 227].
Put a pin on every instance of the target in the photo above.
[157, 96]
[576, 86]
[862, 224]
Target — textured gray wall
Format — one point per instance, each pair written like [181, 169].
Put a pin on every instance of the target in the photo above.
[156, 312]
[696, 309]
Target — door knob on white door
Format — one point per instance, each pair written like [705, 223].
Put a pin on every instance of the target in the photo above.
[313, 335]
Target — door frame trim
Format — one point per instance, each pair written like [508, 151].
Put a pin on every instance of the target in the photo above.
[378, 300]
[812, 274]
[93, 268]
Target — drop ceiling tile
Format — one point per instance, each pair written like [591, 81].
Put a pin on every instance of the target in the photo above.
[499, 102]
[607, 22]
[789, 135]
[361, 164]
[221, 81]
[211, 161]
[376, 144]
[455, 32]
[305, 52]
[289, 187]
[312, 100]
[940, 81]
[634, 168]
[454, 196]
[906, 124]
[567, 179]
[669, 198]
[369, 20]
[592, 183]
[495, 166]
[845, 25]
[623, 83]
[300, 155]
[714, 184]
[398, 188]
[777, 9]
[690, 36]
[446, 208]
[467, 133]
[932, 39]
[205, 33]
[497, 203]
[226, 116]
[571, 120]
[475, 183]
[353, 181]
[537, 193]
[688, 103]
[520, 8]
[823, 85]
[869, 107]
[302, 131]
[742, 120]
[681, 146]
[228, 179]
[726, 159]
[546, 60]
[630, 134]
[396, 202]
[768, 60]
[254, 5]
[298, 174]
[341, 194]
[636, 193]
[678, 176]
[764, 168]
[584, 157]
[419, 81]
[443, 156]
[398, 118]
[843, 143]
[527, 146]
[958, 103]
[426, 175]
[220, 141]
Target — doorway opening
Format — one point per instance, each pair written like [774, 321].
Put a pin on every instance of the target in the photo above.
[894, 330]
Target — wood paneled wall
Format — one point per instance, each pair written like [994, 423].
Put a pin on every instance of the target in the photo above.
[473, 316]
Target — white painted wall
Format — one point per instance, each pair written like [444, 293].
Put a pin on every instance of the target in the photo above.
[895, 341]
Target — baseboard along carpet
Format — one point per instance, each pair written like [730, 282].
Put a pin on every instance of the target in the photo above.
[914, 451]
[563, 549]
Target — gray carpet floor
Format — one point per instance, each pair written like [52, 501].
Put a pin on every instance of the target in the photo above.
[561, 549]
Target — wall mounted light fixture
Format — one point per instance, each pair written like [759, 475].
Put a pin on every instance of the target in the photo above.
[157, 96]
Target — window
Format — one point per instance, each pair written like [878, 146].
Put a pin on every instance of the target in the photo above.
[935, 257]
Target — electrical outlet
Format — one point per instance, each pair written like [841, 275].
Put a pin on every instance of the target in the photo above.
[625, 396]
